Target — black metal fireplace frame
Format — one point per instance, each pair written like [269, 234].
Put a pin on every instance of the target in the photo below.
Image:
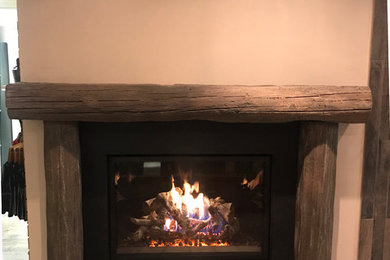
[99, 140]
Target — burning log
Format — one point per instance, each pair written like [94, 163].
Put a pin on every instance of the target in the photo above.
[176, 214]
[222, 212]
[142, 222]
[229, 230]
[139, 234]
[201, 225]
[147, 221]
[169, 218]
[158, 233]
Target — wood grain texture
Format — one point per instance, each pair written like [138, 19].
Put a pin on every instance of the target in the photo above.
[385, 123]
[380, 199]
[115, 102]
[388, 198]
[379, 31]
[365, 239]
[63, 191]
[373, 241]
[386, 241]
[372, 137]
[315, 192]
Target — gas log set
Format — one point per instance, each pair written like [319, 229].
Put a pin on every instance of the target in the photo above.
[185, 217]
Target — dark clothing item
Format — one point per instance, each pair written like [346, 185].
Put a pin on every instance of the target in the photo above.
[13, 187]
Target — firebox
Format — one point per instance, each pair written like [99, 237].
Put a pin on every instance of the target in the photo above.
[193, 189]
[172, 204]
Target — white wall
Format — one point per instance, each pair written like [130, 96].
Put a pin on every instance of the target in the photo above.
[213, 42]
[8, 4]
[9, 34]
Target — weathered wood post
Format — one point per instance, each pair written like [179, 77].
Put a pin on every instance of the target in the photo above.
[315, 191]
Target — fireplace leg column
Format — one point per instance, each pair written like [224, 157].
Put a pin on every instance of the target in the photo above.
[63, 191]
[315, 192]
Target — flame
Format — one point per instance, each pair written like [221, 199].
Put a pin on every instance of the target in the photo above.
[176, 196]
[117, 177]
[170, 225]
[253, 183]
[195, 207]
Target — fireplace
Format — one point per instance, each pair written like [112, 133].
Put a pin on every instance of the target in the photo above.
[167, 211]
[193, 188]
[190, 125]
[216, 213]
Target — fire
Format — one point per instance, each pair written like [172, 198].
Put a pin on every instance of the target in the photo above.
[200, 228]
[189, 243]
[253, 183]
[195, 208]
[170, 225]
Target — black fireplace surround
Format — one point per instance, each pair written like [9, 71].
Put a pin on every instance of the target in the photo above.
[102, 141]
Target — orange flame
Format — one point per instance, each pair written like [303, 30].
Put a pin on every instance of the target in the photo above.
[194, 206]
[255, 182]
[189, 243]
[196, 209]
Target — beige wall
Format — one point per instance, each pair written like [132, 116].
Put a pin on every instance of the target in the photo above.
[215, 42]
[348, 189]
[35, 188]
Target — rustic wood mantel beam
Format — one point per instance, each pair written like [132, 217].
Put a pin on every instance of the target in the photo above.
[223, 103]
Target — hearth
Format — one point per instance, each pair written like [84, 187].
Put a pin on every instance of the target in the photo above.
[196, 188]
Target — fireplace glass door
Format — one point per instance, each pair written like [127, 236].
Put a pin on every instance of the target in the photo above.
[190, 204]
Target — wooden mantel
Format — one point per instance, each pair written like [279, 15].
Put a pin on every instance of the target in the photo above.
[70, 103]
[223, 103]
